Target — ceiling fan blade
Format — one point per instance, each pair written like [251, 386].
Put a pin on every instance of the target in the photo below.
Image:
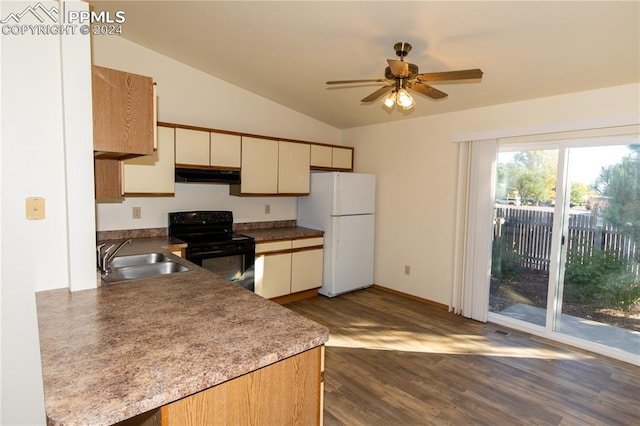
[450, 75]
[399, 69]
[427, 90]
[375, 95]
[378, 80]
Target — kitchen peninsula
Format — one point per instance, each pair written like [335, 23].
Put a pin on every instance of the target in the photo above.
[126, 349]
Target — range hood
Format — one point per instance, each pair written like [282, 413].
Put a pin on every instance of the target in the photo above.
[207, 175]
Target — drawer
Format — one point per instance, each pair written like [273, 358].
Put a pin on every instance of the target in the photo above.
[273, 246]
[307, 242]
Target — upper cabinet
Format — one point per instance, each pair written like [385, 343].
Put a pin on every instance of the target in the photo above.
[341, 158]
[204, 149]
[192, 148]
[124, 115]
[259, 167]
[293, 168]
[325, 157]
[152, 175]
[270, 167]
[225, 150]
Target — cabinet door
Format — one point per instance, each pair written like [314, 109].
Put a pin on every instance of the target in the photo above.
[225, 150]
[123, 112]
[108, 179]
[293, 168]
[342, 158]
[320, 156]
[192, 147]
[152, 174]
[306, 270]
[273, 275]
[259, 170]
[287, 392]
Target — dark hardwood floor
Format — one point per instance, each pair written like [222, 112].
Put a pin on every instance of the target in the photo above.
[391, 360]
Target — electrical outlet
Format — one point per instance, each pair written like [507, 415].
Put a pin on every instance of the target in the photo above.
[267, 209]
[407, 270]
[136, 212]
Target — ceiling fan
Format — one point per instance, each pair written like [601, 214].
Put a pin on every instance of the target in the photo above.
[402, 75]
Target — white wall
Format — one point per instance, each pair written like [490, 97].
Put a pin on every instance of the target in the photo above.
[192, 196]
[416, 166]
[189, 96]
[46, 152]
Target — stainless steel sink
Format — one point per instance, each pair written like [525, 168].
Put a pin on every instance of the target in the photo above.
[125, 268]
[138, 259]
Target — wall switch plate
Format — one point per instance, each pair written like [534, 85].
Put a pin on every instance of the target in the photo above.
[267, 209]
[35, 208]
[136, 212]
[407, 270]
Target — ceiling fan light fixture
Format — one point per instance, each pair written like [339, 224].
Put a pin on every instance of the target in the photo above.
[390, 100]
[404, 99]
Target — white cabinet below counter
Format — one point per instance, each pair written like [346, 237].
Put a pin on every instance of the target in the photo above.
[288, 267]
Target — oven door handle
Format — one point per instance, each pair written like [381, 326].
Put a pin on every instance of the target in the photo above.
[207, 253]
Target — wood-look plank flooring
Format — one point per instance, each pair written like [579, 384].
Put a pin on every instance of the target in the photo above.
[391, 360]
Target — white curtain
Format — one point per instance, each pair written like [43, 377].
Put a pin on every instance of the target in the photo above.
[474, 228]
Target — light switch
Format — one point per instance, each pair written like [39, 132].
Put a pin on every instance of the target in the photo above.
[35, 208]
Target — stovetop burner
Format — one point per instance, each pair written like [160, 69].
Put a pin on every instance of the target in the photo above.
[204, 227]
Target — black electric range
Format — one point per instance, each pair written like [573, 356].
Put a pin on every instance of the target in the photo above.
[213, 245]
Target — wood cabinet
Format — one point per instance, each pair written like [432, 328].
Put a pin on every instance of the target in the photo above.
[325, 157]
[123, 113]
[108, 179]
[288, 392]
[288, 266]
[270, 167]
[152, 175]
[203, 149]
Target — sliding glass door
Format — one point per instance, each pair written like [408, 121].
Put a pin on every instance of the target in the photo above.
[599, 286]
[523, 227]
[566, 242]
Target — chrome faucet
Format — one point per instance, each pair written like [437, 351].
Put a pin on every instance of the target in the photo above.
[105, 257]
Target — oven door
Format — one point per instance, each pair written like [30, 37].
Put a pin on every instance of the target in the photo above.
[234, 262]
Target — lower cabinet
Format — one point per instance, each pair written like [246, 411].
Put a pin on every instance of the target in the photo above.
[288, 392]
[288, 266]
[285, 393]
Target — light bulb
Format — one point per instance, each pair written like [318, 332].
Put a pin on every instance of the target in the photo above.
[404, 99]
[389, 100]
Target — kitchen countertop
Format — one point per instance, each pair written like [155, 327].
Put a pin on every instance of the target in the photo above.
[281, 233]
[112, 353]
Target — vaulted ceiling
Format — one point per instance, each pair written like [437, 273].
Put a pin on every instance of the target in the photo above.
[285, 51]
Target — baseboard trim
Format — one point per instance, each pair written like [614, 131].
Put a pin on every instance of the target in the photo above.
[412, 297]
[294, 297]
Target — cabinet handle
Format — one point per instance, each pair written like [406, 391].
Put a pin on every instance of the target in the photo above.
[155, 117]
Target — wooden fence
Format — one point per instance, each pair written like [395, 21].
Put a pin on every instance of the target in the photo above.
[527, 232]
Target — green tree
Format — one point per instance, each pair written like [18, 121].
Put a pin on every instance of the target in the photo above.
[535, 175]
[579, 193]
[621, 182]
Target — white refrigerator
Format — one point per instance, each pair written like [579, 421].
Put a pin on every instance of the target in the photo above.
[342, 205]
